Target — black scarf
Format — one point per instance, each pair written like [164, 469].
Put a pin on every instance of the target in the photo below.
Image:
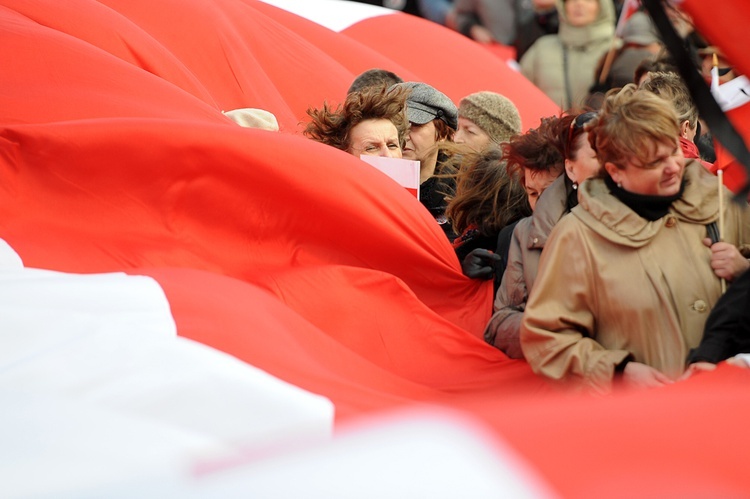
[646, 206]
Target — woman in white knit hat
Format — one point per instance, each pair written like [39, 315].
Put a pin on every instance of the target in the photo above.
[486, 118]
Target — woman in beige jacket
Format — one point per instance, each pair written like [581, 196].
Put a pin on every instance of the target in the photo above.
[627, 280]
[531, 233]
[562, 65]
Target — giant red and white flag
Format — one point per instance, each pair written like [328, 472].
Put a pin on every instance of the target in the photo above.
[282, 255]
[414, 48]
[724, 24]
[734, 99]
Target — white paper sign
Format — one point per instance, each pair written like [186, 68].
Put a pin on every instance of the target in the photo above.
[403, 171]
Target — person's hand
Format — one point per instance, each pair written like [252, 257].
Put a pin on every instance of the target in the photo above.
[481, 34]
[642, 376]
[697, 367]
[740, 360]
[479, 264]
[726, 260]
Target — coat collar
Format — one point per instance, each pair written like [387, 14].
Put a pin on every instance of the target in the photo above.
[610, 218]
[550, 207]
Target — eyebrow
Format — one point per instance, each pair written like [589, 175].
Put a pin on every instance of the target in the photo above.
[378, 142]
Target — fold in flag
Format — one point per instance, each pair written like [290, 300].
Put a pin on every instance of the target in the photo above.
[724, 24]
[405, 48]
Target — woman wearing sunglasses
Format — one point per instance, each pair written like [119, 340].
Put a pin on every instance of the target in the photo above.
[530, 234]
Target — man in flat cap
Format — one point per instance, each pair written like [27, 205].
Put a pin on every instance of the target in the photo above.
[433, 119]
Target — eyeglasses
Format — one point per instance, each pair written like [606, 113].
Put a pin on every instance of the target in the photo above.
[576, 129]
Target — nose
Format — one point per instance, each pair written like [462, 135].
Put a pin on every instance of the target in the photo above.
[458, 137]
[532, 203]
[391, 153]
[674, 164]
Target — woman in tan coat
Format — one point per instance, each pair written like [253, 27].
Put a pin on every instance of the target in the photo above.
[627, 280]
[531, 233]
[562, 65]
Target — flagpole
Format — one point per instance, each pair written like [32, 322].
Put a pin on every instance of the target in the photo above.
[719, 172]
[720, 176]
[608, 60]
[715, 73]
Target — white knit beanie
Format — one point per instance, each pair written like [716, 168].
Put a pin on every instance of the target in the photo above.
[249, 117]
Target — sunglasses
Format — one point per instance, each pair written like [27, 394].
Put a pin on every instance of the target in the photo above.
[576, 129]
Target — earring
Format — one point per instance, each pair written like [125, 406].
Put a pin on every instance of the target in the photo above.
[619, 184]
[575, 186]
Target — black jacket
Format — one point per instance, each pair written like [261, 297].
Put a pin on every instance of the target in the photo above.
[727, 330]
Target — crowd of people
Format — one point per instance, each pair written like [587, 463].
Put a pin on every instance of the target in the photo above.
[615, 253]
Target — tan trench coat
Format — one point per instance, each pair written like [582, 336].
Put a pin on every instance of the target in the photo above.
[611, 283]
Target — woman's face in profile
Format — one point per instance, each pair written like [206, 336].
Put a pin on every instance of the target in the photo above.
[585, 164]
[470, 134]
[660, 175]
[535, 183]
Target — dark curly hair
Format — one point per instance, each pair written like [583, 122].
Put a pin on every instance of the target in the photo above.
[537, 150]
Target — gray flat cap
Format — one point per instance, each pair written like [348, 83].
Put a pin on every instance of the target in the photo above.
[425, 103]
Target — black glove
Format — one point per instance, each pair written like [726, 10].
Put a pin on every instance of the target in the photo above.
[480, 264]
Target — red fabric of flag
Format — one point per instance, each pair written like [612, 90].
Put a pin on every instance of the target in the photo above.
[724, 24]
[293, 256]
